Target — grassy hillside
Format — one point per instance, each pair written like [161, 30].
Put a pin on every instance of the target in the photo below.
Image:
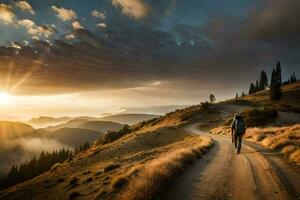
[102, 126]
[74, 136]
[289, 101]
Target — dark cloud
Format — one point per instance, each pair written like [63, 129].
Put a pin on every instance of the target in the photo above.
[278, 21]
[137, 48]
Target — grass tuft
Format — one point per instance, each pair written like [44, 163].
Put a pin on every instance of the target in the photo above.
[111, 167]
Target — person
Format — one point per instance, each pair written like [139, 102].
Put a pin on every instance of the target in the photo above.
[237, 131]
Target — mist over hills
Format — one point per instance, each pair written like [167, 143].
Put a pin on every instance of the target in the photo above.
[56, 123]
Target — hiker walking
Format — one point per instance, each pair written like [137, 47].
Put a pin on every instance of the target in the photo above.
[237, 131]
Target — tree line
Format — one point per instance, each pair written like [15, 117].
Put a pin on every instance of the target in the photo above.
[38, 165]
[275, 83]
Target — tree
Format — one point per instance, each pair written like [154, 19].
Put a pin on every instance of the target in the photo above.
[237, 95]
[243, 94]
[212, 98]
[278, 73]
[275, 91]
[263, 81]
[252, 88]
[256, 86]
[293, 78]
[34, 167]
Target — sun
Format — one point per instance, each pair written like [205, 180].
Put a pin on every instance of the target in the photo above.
[5, 98]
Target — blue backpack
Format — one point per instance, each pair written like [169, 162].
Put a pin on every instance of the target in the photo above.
[240, 128]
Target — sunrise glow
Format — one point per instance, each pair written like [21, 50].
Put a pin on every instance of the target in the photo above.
[5, 98]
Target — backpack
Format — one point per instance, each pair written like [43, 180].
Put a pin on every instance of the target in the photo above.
[240, 128]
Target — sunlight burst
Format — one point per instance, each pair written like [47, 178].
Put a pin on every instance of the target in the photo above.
[5, 98]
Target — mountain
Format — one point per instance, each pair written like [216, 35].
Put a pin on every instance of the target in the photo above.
[129, 119]
[102, 126]
[12, 130]
[157, 110]
[74, 136]
[74, 123]
[44, 121]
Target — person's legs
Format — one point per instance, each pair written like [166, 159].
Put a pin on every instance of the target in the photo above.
[240, 137]
[235, 140]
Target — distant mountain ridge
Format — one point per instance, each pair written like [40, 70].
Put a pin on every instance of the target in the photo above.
[126, 118]
[129, 119]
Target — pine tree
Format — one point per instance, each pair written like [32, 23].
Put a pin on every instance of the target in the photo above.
[293, 78]
[252, 88]
[256, 86]
[278, 73]
[263, 81]
[243, 94]
[275, 91]
[237, 95]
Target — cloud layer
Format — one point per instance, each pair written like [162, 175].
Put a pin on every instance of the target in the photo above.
[121, 44]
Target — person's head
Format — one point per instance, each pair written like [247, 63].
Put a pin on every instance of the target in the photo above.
[237, 116]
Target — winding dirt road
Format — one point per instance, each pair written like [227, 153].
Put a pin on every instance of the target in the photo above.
[256, 173]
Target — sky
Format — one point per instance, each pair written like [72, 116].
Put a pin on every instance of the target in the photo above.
[75, 57]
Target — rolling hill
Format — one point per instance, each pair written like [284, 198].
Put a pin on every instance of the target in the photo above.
[12, 130]
[129, 119]
[46, 121]
[74, 123]
[102, 126]
[74, 136]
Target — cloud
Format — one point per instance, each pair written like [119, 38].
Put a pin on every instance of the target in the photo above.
[64, 14]
[24, 5]
[77, 25]
[37, 31]
[278, 20]
[98, 14]
[7, 16]
[101, 25]
[133, 8]
[28, 23]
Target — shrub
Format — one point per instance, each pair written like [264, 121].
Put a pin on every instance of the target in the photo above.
[73, 180]
[120, 181]
[74, 195]
[111, 136]
[257, 117]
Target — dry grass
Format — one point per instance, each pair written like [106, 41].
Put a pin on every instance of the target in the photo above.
[286, 139]
[158, 173]
[110, 167]
[120, 181]
[222, 130]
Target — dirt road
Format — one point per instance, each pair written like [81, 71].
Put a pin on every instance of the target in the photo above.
[256, 173]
